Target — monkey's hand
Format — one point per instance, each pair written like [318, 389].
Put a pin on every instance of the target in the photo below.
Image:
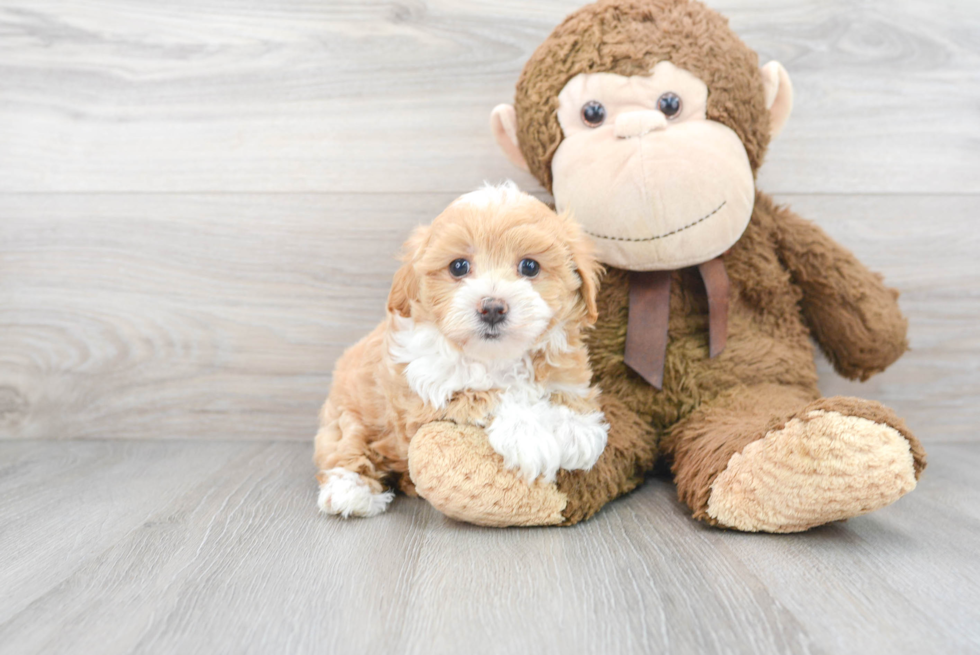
[455, 468]
[853, 316]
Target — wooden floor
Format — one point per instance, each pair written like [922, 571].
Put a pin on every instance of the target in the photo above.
[200, 201]
[217, 547]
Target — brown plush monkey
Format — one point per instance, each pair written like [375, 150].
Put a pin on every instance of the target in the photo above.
[649, 120]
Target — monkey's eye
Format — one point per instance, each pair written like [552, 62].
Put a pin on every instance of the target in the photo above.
[529, 268]
[670, 104]
[459, 268]
[593, 113]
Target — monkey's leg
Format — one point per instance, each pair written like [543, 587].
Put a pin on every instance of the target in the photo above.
[456, 470]
[778, 459]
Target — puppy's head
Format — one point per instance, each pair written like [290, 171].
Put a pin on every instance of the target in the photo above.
[495, 272]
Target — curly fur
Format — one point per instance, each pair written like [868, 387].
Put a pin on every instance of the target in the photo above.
[431, 359]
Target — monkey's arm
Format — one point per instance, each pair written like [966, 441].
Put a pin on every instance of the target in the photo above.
[854, 317]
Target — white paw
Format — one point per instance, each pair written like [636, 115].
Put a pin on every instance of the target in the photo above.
[346, 494]
[539, 438]
[582, 438]
[526, 444]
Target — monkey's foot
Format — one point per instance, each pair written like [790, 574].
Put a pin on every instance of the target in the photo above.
[840, 458]
[456, 470]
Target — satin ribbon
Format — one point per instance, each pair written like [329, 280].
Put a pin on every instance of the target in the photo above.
[649, 318]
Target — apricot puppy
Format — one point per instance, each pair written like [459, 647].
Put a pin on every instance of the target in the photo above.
[484, 326]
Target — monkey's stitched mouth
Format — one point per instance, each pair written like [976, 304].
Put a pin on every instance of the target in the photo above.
[664, 235]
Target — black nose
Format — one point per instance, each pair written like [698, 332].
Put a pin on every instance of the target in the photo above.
[493, 311]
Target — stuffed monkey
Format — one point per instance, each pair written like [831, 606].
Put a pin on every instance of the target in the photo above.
[648, 119]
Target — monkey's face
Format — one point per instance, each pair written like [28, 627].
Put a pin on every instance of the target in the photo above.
[655, 183]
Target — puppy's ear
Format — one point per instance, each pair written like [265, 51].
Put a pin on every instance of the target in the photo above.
[588, 267]
[405, 286]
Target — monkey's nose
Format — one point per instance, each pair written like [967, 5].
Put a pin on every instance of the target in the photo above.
[493, 311]
[638, 123]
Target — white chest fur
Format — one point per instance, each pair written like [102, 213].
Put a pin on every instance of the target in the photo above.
[531, 433]
[436, 370]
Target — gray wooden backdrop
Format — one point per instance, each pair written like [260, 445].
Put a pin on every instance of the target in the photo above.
[200, 200]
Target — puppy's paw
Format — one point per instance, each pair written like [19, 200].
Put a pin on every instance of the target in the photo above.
[582, 437]
[346, 493]
[524, 438]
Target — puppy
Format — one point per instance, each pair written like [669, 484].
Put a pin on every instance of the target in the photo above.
[484, 327]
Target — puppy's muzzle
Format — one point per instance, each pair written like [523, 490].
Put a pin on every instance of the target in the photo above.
[492, 311]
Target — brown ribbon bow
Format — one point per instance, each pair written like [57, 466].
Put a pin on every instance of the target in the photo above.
[649, 317]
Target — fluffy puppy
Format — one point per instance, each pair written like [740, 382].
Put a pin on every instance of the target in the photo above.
[483, 327]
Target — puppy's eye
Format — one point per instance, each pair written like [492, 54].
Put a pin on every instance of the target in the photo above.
[670, 104]
[593, 113]
[459, 268]
[529, 268]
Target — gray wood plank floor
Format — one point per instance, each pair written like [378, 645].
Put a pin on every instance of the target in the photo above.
[199, 205]
[217, 547]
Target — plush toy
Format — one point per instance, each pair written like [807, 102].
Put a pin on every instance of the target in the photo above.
[649, 119]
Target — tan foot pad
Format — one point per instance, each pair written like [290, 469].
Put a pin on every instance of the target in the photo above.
[455, 469]
[825, 467]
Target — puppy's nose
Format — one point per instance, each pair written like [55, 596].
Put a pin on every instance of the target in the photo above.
[493, 311]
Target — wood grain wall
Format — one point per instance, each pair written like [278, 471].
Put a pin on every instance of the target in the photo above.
[200, 201]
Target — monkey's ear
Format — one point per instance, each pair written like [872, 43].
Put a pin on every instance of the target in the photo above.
[779, 96]
[405, 286]
[503, 122]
